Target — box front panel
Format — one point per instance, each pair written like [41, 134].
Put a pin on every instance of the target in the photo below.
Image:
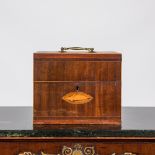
[100, 81]
[48, 99]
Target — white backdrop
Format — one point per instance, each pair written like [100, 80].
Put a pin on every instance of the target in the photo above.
[27, 26]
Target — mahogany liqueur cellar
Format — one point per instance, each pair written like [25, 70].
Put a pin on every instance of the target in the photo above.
[80, 88]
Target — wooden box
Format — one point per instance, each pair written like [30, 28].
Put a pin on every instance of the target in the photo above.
[77, 90]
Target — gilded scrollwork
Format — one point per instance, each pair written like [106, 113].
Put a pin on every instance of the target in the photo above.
[89, 151]
[67, 151]
[30, 153]
[77, 149]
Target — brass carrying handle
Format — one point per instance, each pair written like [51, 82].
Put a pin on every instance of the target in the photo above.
[90, 50]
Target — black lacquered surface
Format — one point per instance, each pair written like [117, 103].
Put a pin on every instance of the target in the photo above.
[17, 121]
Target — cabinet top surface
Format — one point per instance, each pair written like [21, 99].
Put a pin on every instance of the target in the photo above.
[136, 122]
[105, 55]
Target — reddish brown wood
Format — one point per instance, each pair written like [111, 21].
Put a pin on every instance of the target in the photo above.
[79, 70]
[56, 74]
[48, 97]
[82, 55]
[42, 125]
[102, 145]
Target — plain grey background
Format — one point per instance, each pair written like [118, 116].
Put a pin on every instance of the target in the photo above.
[27, 26]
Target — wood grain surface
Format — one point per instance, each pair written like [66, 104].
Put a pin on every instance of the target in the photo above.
[101, 145]
[98, 75]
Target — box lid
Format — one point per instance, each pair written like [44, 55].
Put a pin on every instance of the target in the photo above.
[97, 55]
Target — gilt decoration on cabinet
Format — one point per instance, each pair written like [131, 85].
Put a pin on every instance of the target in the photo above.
[77, 149]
